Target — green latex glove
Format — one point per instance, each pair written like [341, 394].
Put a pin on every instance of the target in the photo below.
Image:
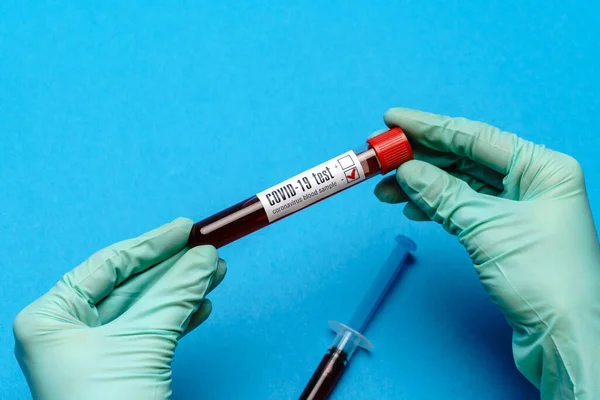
[521, 211]
[109, 328]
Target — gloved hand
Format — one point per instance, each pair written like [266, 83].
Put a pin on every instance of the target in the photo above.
[109, 328]
[521, 211]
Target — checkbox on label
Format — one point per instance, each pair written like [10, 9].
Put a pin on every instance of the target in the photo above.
[346, 162]
[352, 174]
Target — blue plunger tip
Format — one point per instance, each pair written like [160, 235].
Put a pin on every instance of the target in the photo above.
[408, 244]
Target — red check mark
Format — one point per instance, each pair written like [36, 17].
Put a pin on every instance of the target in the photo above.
[352, 174]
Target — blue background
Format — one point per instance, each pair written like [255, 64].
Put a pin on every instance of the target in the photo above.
[116, 118]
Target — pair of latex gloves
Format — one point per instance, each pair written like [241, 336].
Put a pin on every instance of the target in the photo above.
[110, 327]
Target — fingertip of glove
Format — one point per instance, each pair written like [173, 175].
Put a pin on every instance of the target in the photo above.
[219, 275]
[206, 307]
[407, 169]
[384, 192]
[394, 116]
[416, 175]
[206, 254]
[415, 123]
[414, 213]
[200, 316]
[182, 221]
[222, 268]
[377, 132]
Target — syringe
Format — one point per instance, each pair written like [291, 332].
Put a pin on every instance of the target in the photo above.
[349, 337]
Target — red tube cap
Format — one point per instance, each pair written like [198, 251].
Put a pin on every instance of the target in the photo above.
[392, 149]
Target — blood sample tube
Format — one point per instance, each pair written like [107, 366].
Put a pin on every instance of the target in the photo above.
[379, 155]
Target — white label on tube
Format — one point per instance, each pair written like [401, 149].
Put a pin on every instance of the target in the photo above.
[311, 186]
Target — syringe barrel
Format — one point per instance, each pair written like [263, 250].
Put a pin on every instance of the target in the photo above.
[381, 284]
[381, 154]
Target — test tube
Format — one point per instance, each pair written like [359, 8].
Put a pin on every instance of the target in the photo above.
[381, 154]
